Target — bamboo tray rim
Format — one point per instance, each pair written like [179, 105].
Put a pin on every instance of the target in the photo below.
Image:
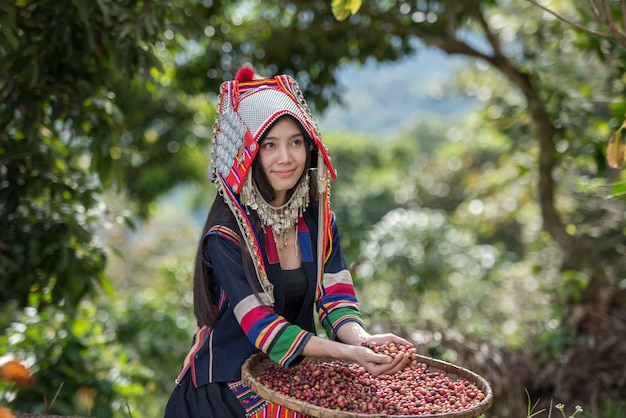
[257, 363]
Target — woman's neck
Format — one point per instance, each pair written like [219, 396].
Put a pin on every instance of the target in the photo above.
[279, 200]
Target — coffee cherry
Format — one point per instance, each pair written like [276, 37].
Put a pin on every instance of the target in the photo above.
[349, 387]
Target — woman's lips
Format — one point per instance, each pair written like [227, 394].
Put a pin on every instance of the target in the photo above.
[284, 173]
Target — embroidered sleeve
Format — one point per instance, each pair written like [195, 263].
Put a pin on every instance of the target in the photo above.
[338, 304]
[268, 331]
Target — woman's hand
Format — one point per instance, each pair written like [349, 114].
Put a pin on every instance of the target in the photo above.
[353, 346]
[378, 364]
[386, 364]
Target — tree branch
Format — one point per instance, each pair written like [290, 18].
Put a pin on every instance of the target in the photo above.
[493, 40]
[578, 254]
[606, 19]
[610, 22]
[596, 11]
[624, 15]
[572, 23]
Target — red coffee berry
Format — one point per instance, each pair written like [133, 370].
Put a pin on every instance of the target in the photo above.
[349, 387]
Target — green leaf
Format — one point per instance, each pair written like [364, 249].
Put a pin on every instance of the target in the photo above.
[8, 36]
[81, 9]
[8, 25]
[342, 9]
[105, 12]
[618, 189]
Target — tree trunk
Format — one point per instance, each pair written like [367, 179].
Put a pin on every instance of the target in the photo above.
[592, 367]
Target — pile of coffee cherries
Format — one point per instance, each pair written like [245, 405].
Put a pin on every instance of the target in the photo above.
[344, 386]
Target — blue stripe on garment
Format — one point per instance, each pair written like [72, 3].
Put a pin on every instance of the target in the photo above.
[304, 238]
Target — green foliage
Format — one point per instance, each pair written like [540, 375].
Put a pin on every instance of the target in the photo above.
[80, 112]
[344, 8]
[154, 332]
[152, 308]
[77, 362]
[300, 38]
[108, 360]
[614, 409]
[417, 264]
[368, 172]
[556, 338]
[111, 96]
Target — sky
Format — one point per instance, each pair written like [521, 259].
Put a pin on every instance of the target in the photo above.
[386, 97]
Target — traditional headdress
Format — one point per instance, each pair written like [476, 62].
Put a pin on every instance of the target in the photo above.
[248, 107]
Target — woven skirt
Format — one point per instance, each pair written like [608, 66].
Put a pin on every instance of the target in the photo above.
[221, 400]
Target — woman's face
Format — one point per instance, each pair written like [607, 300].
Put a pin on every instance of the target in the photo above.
[283, 157]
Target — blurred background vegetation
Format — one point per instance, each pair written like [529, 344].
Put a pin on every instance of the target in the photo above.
[476, 207]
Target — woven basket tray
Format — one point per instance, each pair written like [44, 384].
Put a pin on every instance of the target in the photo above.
[256, 364]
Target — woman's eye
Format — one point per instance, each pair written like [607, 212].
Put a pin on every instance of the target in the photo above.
[297, 142]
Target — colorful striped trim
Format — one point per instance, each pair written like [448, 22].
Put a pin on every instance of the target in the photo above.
[221, 231]
[270, 246]
[306, 244]
[243, 161]
[335, 319]
[225, 232]
[304, 240]
[249, 400]
[254, 84]
[328, 222]
[285, 83]
[257, 407]
[273, 410]
[340, 278]
[327, 240]
[270, 332]
[259, 322]
[199, 339]
[250, 237]
[288, 345]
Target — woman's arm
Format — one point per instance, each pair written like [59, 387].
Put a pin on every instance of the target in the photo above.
[338, 311]
[264, 328]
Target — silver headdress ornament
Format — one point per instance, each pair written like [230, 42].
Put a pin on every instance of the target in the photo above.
[248, 106]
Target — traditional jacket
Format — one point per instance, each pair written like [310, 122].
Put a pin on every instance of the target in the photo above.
[245, 325]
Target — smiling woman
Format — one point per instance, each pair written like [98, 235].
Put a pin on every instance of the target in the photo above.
[268, 257]
[283, 164]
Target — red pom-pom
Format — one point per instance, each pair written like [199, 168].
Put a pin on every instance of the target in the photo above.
[245, 74]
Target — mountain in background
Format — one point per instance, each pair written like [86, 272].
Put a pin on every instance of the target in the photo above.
[385, 98]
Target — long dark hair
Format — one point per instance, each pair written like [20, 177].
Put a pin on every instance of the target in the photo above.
[204, 303]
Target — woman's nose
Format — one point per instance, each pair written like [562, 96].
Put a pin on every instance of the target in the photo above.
[283, 153]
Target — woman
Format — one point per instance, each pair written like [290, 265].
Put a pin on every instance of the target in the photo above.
[269, 255]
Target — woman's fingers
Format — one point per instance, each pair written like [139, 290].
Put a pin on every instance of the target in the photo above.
[398, 363]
